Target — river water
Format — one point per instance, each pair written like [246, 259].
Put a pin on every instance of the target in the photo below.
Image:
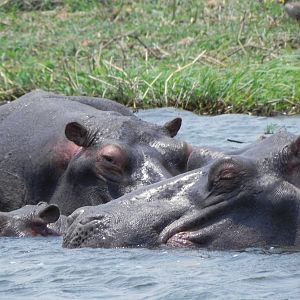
[33, 268]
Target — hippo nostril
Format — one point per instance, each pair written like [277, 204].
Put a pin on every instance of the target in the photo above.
[92, 220]
[71, 218]
[85, 229]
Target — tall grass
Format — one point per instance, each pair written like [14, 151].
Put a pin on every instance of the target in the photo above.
[217, 56]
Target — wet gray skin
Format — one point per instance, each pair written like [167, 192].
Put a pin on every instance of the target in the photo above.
[33, 220]
[77, 151]
[250, 198]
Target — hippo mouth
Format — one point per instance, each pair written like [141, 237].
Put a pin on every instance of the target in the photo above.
[197, 238]
[195, 230]
[180, 240]
[43, 231]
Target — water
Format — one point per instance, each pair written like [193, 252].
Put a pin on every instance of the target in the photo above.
[39, 268]
[215, 130]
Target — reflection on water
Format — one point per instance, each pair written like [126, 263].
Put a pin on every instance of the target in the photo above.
[40, 268]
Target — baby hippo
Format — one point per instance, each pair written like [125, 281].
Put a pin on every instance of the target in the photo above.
[42, 219]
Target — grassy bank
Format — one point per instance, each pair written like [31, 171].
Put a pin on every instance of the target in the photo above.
[210, 56]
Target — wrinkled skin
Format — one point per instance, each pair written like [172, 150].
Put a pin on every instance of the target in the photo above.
[42, 219]
[250, 198]
[77, 151]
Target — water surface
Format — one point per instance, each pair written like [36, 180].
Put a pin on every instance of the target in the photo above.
[39, 268]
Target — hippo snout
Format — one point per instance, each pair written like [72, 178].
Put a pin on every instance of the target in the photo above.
[84, 229]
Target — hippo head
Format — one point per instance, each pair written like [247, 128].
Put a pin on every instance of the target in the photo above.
[30, 220]
[115, 156]
[250, 199]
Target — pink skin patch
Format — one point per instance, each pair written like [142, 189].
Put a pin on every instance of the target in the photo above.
[63, 153]
[180, 240]
[189, 149]
[43, 231]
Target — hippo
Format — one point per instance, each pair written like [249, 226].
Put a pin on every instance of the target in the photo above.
[250, 198]
[42, 219]
[79, 151]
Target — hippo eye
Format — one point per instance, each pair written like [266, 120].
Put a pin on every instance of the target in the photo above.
[38, 224]
[223, 172]
[108, 158]
[228, 173]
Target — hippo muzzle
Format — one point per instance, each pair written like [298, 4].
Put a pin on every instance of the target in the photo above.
[84, 229]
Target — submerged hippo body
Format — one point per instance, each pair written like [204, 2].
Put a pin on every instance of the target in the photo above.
[247, 199]
[42, 219]
[76, 151]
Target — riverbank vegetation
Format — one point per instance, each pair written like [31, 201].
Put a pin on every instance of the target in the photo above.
[215, 56]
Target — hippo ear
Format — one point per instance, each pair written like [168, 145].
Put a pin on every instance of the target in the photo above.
[78, 134]
[49, 214]
[3, 219]
[293, 153]
[5, 223]
[289, 157]
[295, 147]
[173, 126]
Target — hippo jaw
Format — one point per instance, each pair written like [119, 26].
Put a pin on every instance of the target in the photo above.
[188, 231]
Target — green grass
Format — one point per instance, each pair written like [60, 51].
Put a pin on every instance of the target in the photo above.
[215, 56]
